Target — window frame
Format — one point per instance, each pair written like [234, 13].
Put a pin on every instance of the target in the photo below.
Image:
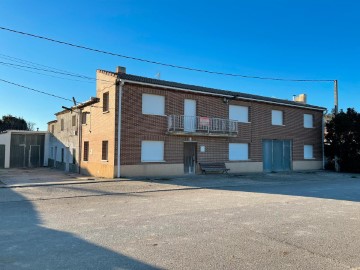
[233, 157]
[84, 117]
[86, 151]
[312, 120]
[105, 102]
[73, 120]
[144, 109]
[143, 153]
[273, 114]
[232, 111]
[104, 150]
[312, 151]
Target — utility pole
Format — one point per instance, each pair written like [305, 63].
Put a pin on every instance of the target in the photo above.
[336, 97]
[336, 110]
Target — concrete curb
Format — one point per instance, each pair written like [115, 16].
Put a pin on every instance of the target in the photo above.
[60, 183]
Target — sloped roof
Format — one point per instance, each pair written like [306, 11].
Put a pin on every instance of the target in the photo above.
[201, 89]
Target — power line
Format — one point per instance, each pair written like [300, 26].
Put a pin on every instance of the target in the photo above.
[161, 63]
[35, 90]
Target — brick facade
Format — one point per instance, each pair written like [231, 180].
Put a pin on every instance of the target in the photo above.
[137, 127]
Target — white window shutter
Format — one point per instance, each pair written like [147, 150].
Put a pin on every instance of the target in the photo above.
[277, 118]
[152, 151]
[239, 113]
[238, 151]
[308, 121]
[153, 104]
[308, 152]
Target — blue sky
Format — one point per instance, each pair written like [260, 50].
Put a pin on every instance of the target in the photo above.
[289, 39]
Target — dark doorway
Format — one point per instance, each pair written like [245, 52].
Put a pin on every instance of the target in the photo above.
[2, 156]
[190, 157]
[276, 155]
[34, 156]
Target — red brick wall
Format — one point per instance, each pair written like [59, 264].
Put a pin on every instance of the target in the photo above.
[137, 127]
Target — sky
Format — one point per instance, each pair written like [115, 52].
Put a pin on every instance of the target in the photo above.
[279, 38]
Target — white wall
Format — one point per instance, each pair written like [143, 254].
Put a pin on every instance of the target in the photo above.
[5, 139]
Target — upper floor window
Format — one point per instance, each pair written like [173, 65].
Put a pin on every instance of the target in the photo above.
[83, 118]
[153, 104]
[106, 102]
[62, 124]
[308, 120]
[239, 113]
[52, 129]
[73, 120]
[277, 118]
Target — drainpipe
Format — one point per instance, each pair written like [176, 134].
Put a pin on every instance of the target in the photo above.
[80, 138]
[120, 90]
[323, 138]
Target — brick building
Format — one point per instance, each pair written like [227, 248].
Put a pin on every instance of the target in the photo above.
[144, 126]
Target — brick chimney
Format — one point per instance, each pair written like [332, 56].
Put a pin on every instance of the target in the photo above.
[120, 69]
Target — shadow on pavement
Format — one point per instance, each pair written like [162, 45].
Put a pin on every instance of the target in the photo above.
[26, 244]
[324, 185]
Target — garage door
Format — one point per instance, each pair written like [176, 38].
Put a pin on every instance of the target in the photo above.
[276, 155]
[2, 156]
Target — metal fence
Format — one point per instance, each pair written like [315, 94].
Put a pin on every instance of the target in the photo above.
[201, 124]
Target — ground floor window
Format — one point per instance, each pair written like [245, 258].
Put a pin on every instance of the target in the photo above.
[104, 151]
[152, 151]
[62, 154]
[86, 151]
[238, 151]
[308, 152]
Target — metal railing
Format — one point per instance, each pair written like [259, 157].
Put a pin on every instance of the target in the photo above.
[198, 124]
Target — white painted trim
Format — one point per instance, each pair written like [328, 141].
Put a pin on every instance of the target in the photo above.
[121, 83]
[220, 95]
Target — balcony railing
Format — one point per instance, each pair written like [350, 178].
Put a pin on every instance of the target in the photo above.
[197, 125]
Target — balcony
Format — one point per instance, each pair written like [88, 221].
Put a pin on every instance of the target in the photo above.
[201, 126]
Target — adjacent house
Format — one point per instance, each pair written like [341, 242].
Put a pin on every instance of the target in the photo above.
[19, 149]
[146, 127]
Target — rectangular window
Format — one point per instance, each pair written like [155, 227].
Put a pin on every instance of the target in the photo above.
[74, 156]
[308, 120]
[86, 151]
[238, 151]
[62, 154]
[106, 102]
[52, 129]
[83, 118]
[239, 113]
[153, 104]
[277, 118]
[308, 152]
[52, 152]
[73, 120]
[104, 152]
[62, 124]
[152, 151]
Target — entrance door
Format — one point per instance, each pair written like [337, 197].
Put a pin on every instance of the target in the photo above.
[276, 155]
[189, 115]
[18, 156]
[34, 156]
[190, 157]
[2, 156]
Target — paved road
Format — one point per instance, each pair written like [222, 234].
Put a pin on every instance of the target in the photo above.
[296, 221]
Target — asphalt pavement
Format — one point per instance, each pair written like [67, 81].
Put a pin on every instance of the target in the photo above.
[260, 221]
